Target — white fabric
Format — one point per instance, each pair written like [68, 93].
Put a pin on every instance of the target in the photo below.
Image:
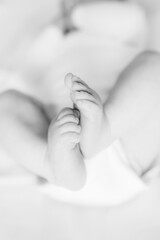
[110, 181]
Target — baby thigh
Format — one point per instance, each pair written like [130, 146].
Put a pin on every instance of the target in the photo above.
[142, 143]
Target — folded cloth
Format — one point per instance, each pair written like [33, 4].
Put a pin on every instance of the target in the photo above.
[110, 181]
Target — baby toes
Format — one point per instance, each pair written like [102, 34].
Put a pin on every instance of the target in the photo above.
[71, 139]
[86, 105]
[72, 81]
[70, 134]
[64, 112]
[79, 85]
[68, 118]
[82, 95]
[68, 80]
[70, 127]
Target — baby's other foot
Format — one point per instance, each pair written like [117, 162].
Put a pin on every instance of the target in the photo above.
[95, 133]
[63, 153]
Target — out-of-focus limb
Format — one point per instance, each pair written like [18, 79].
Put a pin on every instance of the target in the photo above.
[135, 94]
[21, 22]
[23, 131]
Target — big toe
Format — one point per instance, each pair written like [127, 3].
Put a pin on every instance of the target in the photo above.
[68, 80]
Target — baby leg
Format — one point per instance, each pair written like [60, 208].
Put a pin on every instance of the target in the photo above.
[63, 154]
[23, 130]
[142, 145]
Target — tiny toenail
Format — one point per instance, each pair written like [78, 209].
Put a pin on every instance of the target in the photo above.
[70, 74]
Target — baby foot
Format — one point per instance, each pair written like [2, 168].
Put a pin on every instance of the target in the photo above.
[64, 157]
[95, 132]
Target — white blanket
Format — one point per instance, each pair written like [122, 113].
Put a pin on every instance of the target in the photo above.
[110, 181]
